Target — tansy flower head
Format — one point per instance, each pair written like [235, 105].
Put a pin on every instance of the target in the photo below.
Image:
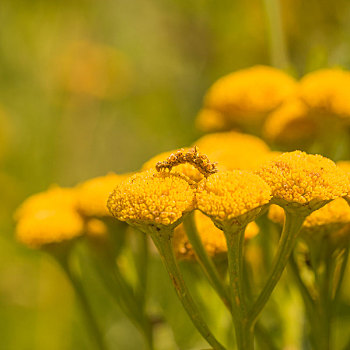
[234, 150]
[331, 221]
[210, 120]
[212, 238]
[152, 198]
[290, 123]
[345, 166]
[93, 194]
[54, 198]
[232, 198]
[250, 93]
[303, 181]
[186, 169]
[49, 226]
[327, 91]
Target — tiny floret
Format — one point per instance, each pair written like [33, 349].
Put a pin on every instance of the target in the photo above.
[151, 198]
[298, 179]
[236, 196]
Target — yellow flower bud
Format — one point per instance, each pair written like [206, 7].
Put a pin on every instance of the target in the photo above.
[303, 181]
[233, 197]
[150, 198]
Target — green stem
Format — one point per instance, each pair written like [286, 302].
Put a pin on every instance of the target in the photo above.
[205, 261]
[341, 276]
[84, 303]
[141, 263]
[291, 228]
[304, 291]
[244, 331]
[123, 293]
[163, 242]
[278, 50]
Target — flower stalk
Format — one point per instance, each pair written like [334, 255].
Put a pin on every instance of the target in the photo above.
[162, 239]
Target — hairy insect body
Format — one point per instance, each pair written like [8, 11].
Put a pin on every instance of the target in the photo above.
[193, 157]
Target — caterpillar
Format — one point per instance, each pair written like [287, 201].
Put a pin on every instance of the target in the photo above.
[200, 161]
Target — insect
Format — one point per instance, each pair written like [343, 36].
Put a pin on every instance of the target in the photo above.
[193, 157]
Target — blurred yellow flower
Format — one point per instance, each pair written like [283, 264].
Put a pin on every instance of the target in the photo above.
[54, 198]
[233, 150]
[48, 226]
[93, 194]
[304, 181]
[208, 120]
[232, 197]
[212, 238]
[332, 220]
[93, 69]
[96, 229]
[327, 91]
[245, 96]
[151, 198]
[290, 123]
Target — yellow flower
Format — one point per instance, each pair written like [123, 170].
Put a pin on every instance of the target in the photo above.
[93, 69]
[149, 198]
[332, 221]
[96, 228]
[54, 198]
[93, 194]
[248, 94]
[210, 120]
[233, 150]
[304, 181]
[290, 123]
[212, 238]
[327, 91]
[48, 226]
[232, 197]
[345, 166]
[186, 169]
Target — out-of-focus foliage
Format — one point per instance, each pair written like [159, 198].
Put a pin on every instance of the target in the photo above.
[88, 87]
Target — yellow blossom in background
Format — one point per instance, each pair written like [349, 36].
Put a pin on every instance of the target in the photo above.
[233, 150]
[290, 123]
[93, 194]
[212, 238]
[55, 197]
[96, 228]
[186, 169]
[327, 91]
[49, 226]
[93, 69]
[298, 179]
[150, 198]
[235, 196]
[209, 120]
[245, 96]
[332, 220]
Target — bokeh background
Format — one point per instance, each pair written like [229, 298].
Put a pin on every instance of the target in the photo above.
[88, 87]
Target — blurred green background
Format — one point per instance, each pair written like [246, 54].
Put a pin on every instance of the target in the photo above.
[88, 87]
